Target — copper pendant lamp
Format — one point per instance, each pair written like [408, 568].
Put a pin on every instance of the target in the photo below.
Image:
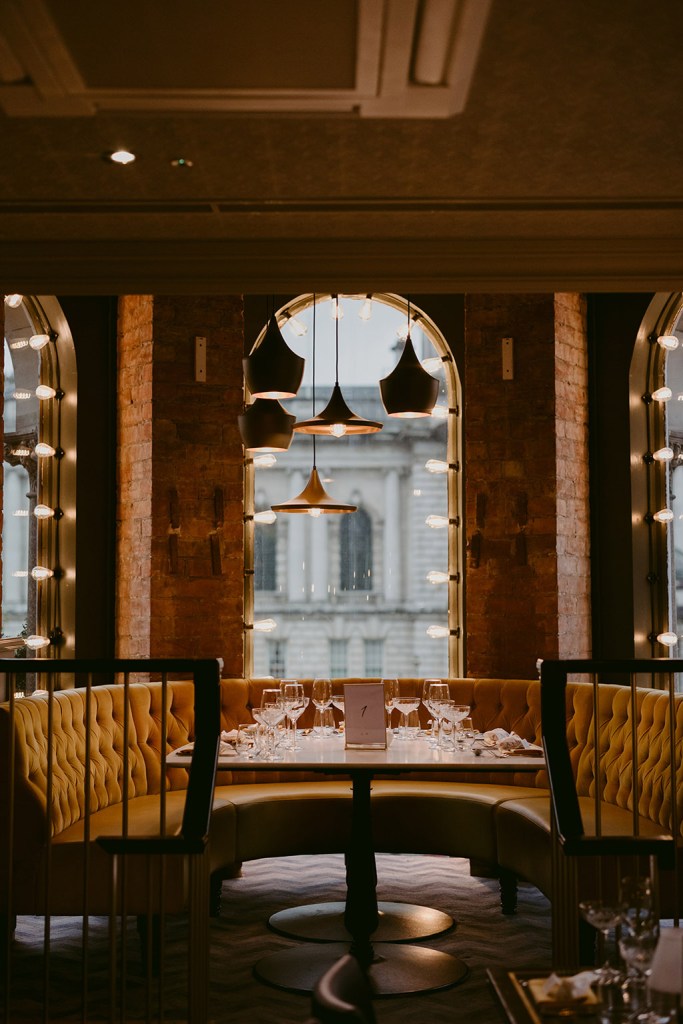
[314, 499]
[337, 419]
[409, 391]
[272, 370]
[266, 427]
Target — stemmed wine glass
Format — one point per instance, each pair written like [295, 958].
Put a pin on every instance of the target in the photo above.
[405, 705]
[433, 691]
[391, 693]
[321, 695]
[295, 703]
[270, 714]
[338, 703]
[454, 714]
[603, 917]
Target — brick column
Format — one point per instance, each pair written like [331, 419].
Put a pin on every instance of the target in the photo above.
[526, 484]
[180, 558]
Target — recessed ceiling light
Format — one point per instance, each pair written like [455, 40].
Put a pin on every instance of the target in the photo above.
[180, 161]
[121, 156]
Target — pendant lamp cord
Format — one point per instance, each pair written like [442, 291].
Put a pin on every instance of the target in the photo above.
[313, 388]
[408, 334]
[336, 342]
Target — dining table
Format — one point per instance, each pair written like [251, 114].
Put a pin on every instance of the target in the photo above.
[394, 967]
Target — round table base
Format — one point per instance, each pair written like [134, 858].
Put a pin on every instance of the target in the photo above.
[395, 971]
[324, 922]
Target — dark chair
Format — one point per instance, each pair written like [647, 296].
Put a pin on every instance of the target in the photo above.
[343, 995]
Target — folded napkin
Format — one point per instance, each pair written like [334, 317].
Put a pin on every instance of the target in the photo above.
[555, 994]
[510, 742]
[225, 749]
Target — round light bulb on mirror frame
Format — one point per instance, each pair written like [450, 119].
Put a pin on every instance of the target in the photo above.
[665, 515]
[264, 460]
[436, 522]
[38, 341]
[296, 327]
[365, 311]
[440, 411]
[44, 450]
[668, 639]
[264, 625]
[121, 156]
[44, 391]
[663, 454]
[43, 512]
[668, 342]
[437, 576]
[41, 572]
[662, 394]
[437, 632]
[436, 466]
[37, 642]
[337, 308]
[267, 516]
[14, 301]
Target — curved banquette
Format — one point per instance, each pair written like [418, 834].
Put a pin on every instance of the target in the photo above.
[495, 819]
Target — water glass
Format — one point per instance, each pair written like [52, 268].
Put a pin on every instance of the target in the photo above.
[391, 694]
[433, 691]
[338, 703]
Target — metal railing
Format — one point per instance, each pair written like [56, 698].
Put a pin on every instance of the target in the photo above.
[71, 756]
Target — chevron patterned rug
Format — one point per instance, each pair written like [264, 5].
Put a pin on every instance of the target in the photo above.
[482, 938]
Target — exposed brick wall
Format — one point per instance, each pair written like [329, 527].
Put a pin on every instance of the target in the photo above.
[192, 555]
[573, 515]
[518, 609]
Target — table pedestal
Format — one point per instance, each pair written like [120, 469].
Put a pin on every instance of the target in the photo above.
[395, 970]
[324, 922]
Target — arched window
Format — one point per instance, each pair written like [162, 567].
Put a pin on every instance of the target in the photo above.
[39, 462]
[400, 554]
[355, 552]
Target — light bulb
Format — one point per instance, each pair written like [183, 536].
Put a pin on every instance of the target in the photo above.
[435, 576]
[20, 573]
[440, 411]
[314, 512]
[267, 516]
[663, 455]
[44, 391]
[437, 632]
[668, 341]
[14, 301]
[21, 396]
[21, 513]
[662, 395]
[436, 522]
[669, 639]
[38, 341]
[21, 343]
[264, 626]
[122, 156]
[665, 515]
[432, 365]
[436, 466]
[365, 311]
[35, 642]
[337, 308]
[296, 327]
[338, 429]
[41, 572]
[265, 460]
[44, 450]
[21, 452]
[43, 512]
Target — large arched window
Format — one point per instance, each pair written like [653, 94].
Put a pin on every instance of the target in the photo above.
[39, 466]
[377, 591]
[355, 551]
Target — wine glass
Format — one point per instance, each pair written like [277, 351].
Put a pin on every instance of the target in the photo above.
[466, 733]
[338, 703]
[406, 705]
[321, 694]
[434, 690]
[453, 714]
[271, 713]
[391, 692]
[295, 703]
[603, 917]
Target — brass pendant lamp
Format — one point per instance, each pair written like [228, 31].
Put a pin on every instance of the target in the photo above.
[314, 499]
[409, 391]
[265, 426]
[272, 370]
[337, 419]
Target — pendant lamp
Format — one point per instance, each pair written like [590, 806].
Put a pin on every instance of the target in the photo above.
[266, 427]
[337, 419]
[409, 391]
[271, 369]
[314, 499]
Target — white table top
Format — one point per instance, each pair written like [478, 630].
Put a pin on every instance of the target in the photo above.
[329, 753]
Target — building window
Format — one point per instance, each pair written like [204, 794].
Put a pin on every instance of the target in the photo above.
[399, 556]
[374, 658]
[339, 665]
[277, 658]
[355, 551]
[38, 529]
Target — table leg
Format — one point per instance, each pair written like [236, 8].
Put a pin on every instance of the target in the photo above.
[360, 916]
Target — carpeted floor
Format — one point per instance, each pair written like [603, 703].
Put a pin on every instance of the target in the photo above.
[483, 938]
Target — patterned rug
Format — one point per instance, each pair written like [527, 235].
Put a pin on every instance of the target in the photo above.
[482, 938]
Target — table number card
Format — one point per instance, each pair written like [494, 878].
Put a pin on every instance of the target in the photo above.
[365, 716]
